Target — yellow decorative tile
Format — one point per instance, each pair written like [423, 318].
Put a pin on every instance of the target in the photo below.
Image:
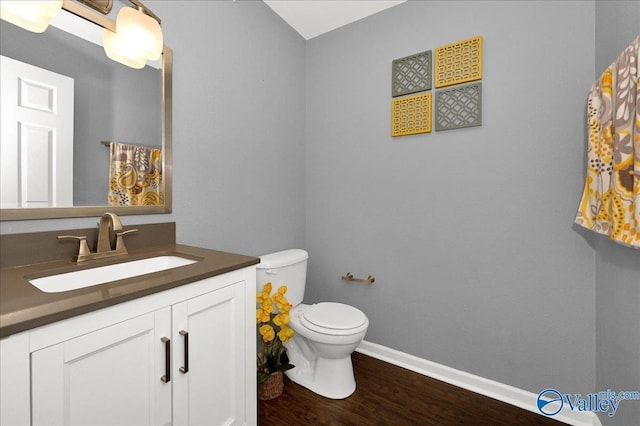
[458, 62]
[411, 115]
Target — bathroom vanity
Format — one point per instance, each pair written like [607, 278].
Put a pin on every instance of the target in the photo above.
[170, 347]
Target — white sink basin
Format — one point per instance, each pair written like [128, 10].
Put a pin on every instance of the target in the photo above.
[104, 274]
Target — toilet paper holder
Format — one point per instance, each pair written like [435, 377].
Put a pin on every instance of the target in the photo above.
[349, 277]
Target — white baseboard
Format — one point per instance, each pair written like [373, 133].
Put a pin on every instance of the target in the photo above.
[496, 390]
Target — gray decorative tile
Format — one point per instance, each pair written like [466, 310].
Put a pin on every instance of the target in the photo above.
[458, 107]
[411, 74]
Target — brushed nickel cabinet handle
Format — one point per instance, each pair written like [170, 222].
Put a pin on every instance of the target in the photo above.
[167, 360]
[185, 369]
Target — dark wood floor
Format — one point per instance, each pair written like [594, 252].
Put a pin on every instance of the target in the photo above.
[390, 395]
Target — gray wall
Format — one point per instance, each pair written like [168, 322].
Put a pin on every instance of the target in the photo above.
[617, 267]
[238, 134]
[239, 125]
[468, 232]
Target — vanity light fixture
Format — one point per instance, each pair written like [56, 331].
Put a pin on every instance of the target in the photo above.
[31, 15]
[133, 39]
[137, 38]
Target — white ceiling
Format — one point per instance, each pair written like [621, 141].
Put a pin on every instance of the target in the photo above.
[311, 18]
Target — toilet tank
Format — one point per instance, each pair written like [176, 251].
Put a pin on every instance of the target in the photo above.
[287, 267]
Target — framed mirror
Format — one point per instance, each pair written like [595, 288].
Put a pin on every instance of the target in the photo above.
[112, 103]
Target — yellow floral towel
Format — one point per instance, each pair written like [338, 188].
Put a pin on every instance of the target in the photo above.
[611, 200]
[135, 176]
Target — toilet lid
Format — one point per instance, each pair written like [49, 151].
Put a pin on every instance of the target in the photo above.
[336, 316]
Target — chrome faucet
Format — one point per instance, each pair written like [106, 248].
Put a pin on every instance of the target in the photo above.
[108, 222]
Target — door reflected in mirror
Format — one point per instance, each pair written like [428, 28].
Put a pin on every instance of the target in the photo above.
[36, 128]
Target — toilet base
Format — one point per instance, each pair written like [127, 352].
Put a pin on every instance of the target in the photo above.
[331, 378]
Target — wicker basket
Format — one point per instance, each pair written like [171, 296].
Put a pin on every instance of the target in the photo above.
[272, 387]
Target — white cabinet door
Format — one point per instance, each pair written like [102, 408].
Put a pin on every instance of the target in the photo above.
[212, 391]
[15, 391]
[108, 377]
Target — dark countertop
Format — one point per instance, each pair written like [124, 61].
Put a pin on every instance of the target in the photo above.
[23, 306]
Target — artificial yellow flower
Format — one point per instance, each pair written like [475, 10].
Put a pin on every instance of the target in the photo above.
[267, 332]
[281, 319]
[262, 316]
[271, 348]
[284, 307]
[282, 302]
[285, 333]
[267, 307]
[259, 297]
[267, 289]
[277, 298]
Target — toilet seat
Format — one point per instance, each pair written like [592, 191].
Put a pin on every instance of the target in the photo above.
[335, 319]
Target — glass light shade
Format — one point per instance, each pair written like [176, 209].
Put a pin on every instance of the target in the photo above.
[118, 50]
[140, 31]
[30, 14]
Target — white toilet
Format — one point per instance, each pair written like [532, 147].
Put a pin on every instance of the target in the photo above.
[325, 333]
